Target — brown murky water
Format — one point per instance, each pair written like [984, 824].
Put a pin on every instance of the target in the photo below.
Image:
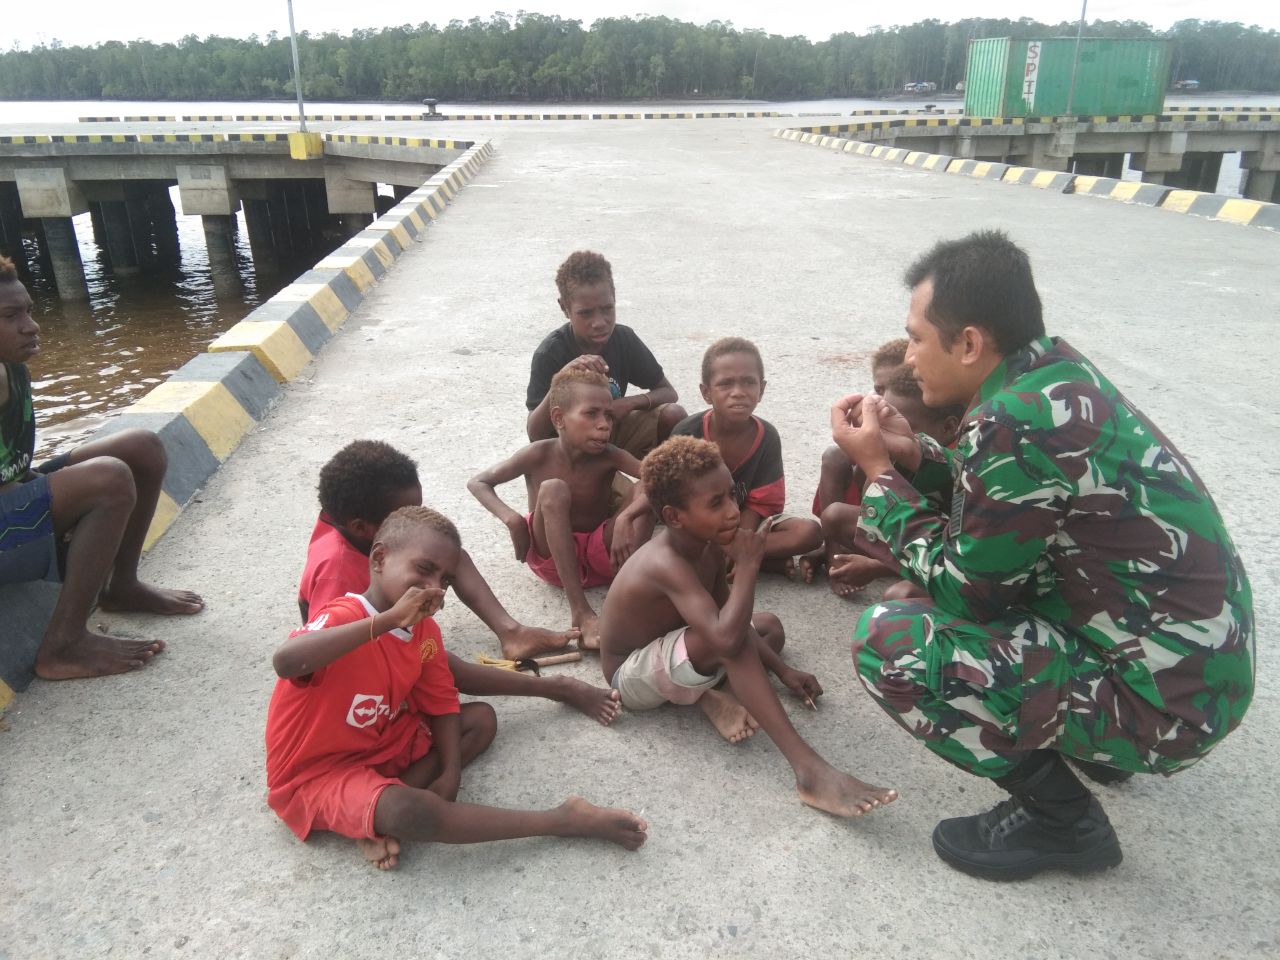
[97, 357]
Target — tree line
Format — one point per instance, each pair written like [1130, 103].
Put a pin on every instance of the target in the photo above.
[546, 58]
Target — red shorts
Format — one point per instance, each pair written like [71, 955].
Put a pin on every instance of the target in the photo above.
[852, 496]
[594, 568]
[343, 800]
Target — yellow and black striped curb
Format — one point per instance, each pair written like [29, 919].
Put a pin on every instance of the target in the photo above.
[398, 141]
[1255, 213]
[870, 126]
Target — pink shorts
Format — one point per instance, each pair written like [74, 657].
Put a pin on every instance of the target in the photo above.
[594, 568]
[344, 800]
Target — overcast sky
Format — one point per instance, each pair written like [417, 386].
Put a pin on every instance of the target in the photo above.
[93, 21]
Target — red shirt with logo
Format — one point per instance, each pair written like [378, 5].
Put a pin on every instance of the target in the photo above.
[362, 709]
[334, 567]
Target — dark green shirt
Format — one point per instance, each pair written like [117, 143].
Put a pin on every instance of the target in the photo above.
[17, 426]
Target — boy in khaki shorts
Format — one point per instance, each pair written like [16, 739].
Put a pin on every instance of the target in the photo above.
[594, 340]
[672, 628]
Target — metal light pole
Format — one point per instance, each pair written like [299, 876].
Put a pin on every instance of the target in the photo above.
[1071, 91]
[297, 73]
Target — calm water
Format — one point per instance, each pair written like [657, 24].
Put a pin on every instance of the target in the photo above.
[99, 356]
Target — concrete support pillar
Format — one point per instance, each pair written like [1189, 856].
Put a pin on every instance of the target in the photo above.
[11, 244]
[121, 254]
[1099, 164]
[1260, 185]
[141, 229]
[257, 219]
[219, 238]
[64, 256]
[318, 219]
[99, 227]
[164, 221]
[278, 207]
[400, 192]
[1153, 176]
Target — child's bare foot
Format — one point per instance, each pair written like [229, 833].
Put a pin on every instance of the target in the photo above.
[728, 716]
[850, 572]
[583, 819]
[599, 703]
[826, 788]
[588, 624]
[812, 564]
[139, 597]
[783, 566]
[382, 852]
[525, 641]
[94, 655]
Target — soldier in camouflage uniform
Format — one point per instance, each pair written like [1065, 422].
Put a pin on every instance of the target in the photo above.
[1085, 600]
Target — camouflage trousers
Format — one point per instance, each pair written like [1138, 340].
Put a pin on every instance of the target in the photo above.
[982, 695]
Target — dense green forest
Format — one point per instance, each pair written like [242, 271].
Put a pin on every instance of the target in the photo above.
[536, 57]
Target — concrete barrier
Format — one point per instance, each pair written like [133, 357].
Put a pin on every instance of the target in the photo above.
[1254, 213]
[1130, 191]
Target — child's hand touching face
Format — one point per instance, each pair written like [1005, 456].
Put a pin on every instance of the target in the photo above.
[416, 605]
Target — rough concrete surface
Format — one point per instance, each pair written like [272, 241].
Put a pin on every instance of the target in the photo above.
[134, 813]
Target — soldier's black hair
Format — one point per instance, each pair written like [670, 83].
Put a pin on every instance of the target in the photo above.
[357, 483]
[982, 280]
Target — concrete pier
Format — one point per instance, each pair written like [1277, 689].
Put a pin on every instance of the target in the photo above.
[119, 236]
[63, 250]
[153, 835]
[219, 238]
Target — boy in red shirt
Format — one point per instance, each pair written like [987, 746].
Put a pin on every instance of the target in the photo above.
[365, 735]
[733, 383]
[359, 487]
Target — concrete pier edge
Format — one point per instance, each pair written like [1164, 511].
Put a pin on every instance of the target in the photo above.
[1253, 213]
[203, 411]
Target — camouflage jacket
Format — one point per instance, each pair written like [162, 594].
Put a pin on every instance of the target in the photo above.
[1069, 505]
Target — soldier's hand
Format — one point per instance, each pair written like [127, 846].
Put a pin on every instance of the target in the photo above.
[866, 428]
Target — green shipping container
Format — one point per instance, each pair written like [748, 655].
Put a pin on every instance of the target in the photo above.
[1032, 78]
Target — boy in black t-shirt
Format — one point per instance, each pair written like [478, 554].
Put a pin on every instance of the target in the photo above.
[595, 340]
[103, 494]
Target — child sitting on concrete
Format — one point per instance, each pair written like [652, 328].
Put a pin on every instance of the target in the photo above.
[365, 734]
[101, 495]
[733, 383]
[571, 537]
[594, 340]
[672, 628]
[850, 566]
[359, 488]
[836, 483]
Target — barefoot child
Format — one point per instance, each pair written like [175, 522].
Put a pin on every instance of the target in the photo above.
[359, 488]
[836, 482]
[103, 494]
[851, 565]
[733, 383]
[672, 628]
[365, 735]
[594, 340]
[570, 537]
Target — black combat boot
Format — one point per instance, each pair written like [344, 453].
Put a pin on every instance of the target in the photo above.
[1050, 822]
